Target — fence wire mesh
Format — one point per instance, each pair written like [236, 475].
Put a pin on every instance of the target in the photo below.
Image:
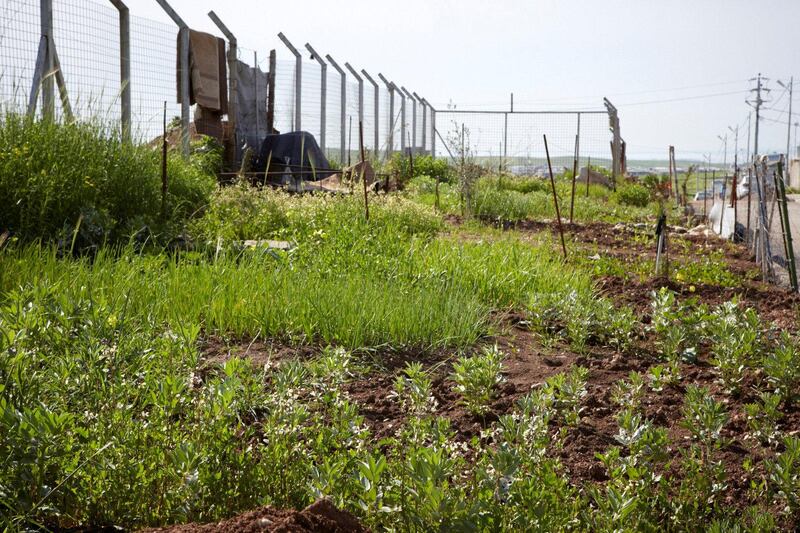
[87, 38]
[755, 217]
[514, 140]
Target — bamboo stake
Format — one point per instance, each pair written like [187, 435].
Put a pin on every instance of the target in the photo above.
[363, 168]
[555, 198]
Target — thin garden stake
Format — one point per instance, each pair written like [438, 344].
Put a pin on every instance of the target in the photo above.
[705, 190]
[555, 197]
[363, 168]
[164, 167]
[574, 171]
[349, 140]
[588, 175]
[410, 159]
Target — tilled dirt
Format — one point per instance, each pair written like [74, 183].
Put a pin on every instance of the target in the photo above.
[528, 363]
[320, 517]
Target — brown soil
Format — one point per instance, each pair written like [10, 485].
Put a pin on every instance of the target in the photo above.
[528, 363]
[319, 517]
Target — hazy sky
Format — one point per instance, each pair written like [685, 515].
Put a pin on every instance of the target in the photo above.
[677, 70]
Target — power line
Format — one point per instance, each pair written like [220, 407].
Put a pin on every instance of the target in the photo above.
[683, 99]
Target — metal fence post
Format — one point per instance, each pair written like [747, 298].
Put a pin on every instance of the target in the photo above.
[323, 122]
[413, 119]
[233, 80]
[360, 81]
[376, 87]
[298, 81]
[343, 110]
[390, 140]
[424, 118]
[433, 131]
[124, 67]
[402, 118]
[48, 86]
[183, 29]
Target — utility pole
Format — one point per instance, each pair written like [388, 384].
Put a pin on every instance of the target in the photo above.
[757, 105]
[725, 151]
[735, 145]
[749, 116]
[789, 124]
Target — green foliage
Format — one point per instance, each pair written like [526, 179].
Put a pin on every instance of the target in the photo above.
[782, 367]
[633, 195]
[52, 175]
[679, 327]
[477, 377]
[424, 165]
[736, 341]
[763, 417]
[784, 475]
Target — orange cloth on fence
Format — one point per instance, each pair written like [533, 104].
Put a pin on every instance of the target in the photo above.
[208, 72]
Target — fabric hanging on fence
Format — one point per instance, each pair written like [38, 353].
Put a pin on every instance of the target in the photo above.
[251, 121]
[208, 79]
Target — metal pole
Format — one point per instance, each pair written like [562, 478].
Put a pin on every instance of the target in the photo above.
[124, 67]
[298, 81]
[505, 138]
[184, 74]
[424, 118]
[433, 132]
[255, 96]
[273, 67]
[48, 86]
[376, 88]
[360, 81]
[413, 118]
[789, 127]
[402, 119]
[233, 79]
[343, 110]
[323, 122]
[390, 141]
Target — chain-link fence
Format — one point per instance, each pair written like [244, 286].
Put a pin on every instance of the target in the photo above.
[86, 58]
[514, 140]
[759, 215]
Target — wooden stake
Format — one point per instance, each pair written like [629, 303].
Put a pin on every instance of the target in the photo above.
[363, 168]
[555, 198]
[574, 170]
[164, 167]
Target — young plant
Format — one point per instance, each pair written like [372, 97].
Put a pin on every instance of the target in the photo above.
[413, 388]
[704, 417]
[782, 367]
[784, 475]
[568, 391]
[735, 336]
[677, 326]
[663, 376]
[477, 377]
[763, 418]
[628, 393]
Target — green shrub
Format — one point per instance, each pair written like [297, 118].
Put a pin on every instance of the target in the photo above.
[633, 194]
[424, 165]
[53, 174]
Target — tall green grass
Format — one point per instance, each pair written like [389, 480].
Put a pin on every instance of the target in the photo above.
[52, 174]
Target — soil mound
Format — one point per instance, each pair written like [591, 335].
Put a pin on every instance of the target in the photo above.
[319, 517]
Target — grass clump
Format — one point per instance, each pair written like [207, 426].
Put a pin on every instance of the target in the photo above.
[54, 174]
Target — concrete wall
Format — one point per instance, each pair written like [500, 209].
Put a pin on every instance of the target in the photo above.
[794, 173]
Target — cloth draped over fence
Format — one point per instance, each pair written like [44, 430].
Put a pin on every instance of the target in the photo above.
[251, 120]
